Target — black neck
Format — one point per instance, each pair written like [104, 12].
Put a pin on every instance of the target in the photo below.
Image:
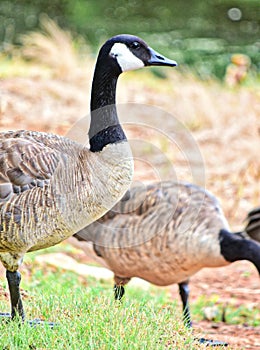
[104, 125]
[234, 247]
[112, 134]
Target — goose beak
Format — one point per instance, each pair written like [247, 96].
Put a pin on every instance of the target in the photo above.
[159, 60]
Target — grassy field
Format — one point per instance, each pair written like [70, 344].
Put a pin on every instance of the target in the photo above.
[86, 317]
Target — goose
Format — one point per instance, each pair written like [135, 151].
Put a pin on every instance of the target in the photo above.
[51, 186]
[164, 233]
[253, 225]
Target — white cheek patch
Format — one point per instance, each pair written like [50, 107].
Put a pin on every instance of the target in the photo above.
[125, 58]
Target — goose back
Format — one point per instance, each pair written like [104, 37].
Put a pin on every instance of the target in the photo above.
[163, 233]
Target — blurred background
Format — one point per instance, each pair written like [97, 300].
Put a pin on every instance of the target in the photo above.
[201, 34]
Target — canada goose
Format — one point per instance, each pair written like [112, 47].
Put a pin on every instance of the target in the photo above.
[164, 234]
[50, 186]
[253, 226]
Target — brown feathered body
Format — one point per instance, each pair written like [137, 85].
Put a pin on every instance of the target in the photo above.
[50, 187]
[163, 233]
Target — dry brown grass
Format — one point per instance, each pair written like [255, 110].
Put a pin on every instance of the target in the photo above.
[224, 122]
[54, 48]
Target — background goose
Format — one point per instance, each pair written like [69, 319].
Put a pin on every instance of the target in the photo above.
[164, 234]
[253, 226]
[50, 186]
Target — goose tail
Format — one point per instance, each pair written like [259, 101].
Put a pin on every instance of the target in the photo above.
[253, 224]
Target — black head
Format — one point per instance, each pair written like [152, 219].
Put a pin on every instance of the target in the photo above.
[130, 53]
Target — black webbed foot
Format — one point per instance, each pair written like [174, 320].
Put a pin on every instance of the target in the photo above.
[210, 342]
[36, 322]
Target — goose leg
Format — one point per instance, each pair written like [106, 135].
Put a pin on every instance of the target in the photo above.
[119, 289]
[119, 292]
[14, 279]
[184, 294]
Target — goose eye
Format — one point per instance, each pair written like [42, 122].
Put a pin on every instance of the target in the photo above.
[135, 45]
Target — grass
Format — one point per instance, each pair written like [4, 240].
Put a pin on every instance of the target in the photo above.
[231, 314]
[46, 46]
[88, 318]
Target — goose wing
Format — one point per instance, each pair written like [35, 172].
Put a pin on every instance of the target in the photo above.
[27, 159]
[135, 219]
[154, 210]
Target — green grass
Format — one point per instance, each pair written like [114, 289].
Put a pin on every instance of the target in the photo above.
[232, 313]
[88, 318]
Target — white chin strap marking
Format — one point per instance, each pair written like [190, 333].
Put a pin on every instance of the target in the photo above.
[125, 58]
